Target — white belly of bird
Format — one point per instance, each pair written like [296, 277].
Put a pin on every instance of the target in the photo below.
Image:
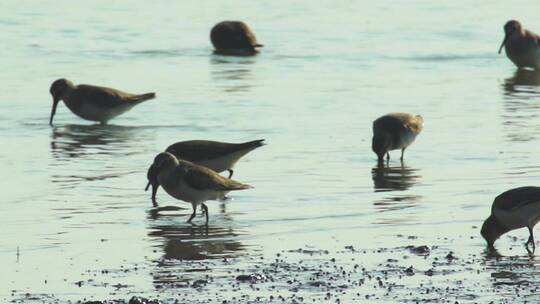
[186, 193]
[528, 215]
[406, 139]
[90, 112]
[223, 163]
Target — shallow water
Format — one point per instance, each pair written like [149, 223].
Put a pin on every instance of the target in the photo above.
[77, 224]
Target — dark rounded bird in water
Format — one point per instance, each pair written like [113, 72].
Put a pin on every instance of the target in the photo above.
[234, 38]
[395, 131]
[521, 45]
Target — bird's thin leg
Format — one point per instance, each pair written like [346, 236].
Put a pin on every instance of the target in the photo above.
[203, 206]
[402, 152]
[193, 214]
[387, 156]
[230, 172]
[531, 239]
[222, 208]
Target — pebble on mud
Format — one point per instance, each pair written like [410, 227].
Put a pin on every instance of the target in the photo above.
[420, 250]
[141, 300]
[409, 271]
[250, 278]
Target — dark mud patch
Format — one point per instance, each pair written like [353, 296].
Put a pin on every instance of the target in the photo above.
[408, 274]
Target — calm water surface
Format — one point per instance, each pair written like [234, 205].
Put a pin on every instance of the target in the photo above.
[73, 202]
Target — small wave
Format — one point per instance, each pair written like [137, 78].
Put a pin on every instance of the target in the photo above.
[158, 53]
[191, 52]
[444, 57]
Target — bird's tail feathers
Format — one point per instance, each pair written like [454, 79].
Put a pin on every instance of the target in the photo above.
[144, 97]
[237, 186]
[254, 144]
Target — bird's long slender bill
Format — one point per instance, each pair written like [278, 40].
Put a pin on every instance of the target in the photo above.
[147, 186]
[503, 43]
[53, 111]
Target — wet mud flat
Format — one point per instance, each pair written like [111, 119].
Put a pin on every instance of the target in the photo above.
[413, 273]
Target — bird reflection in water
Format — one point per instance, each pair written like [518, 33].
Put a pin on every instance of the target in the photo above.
[522, 84]
[71, 141]
[395, 178]
[192, 242]
[510, 271]
[89, 144]
[233, 74]
[391, 178]
[185, 245]
[521, 106]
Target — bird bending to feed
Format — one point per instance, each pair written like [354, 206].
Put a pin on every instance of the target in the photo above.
[192, 183]
[522, 46]
[93, 103]
[395, 131]
[234, 38]
[513, 209]
[218, 156]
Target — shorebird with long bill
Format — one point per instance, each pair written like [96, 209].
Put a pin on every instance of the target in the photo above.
[192, 183]
[93, 103]
[218, 156]
[513, 209]
[522, 46]
[395, 131]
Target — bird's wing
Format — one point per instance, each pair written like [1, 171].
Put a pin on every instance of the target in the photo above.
[202, 178]
[196, 150]
[534, 36]
[109, 97]
[517, 198]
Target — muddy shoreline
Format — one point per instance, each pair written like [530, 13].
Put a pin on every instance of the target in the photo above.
[316, 275]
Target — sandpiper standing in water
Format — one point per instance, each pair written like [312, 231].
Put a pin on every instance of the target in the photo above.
[218, 156]
[513, 209]
[93, 103]
[192, 183]
[234, 38]
[522, 46]
[395, 131]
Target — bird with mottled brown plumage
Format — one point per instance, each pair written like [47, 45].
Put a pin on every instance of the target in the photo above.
[94, 103]
[513, 209]
[218, 156]
[522, 46]
[395, 131]
[192, 183]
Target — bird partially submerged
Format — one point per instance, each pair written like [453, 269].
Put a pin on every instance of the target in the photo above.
[234, 38]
